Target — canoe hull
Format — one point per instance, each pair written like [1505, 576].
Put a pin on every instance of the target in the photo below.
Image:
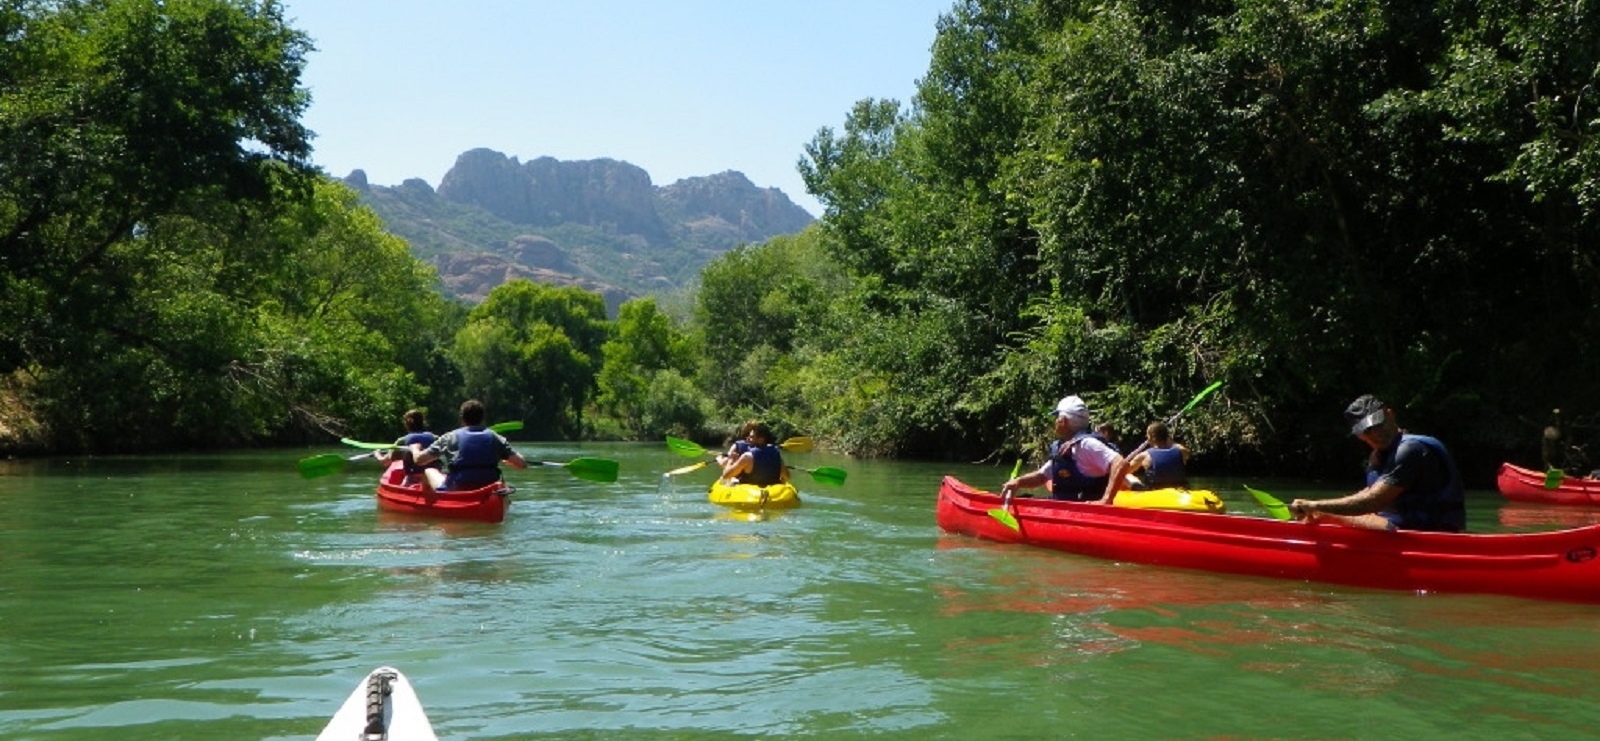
[385, 696]
[1520, 484]
[1558, 565]
[750, 496]
[487, 504]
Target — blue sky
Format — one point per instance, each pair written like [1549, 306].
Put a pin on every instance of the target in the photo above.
[680, 88]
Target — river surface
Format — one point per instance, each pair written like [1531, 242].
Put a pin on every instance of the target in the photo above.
[224, 597]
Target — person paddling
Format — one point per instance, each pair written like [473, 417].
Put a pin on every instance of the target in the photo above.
[1412, 484]
[760, 464]
[416, 424]
[1160, 464]
[1080, 461]
[472, 451]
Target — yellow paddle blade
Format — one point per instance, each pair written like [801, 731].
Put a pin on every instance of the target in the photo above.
[688, 468]
[797, 445]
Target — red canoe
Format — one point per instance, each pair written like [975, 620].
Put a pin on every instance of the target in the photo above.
[1556, 565]
[487, 504]
[1525, 485]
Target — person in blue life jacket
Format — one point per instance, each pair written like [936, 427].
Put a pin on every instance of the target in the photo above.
[1080, 461]
[1161, 464]
[472, 452]
[761, 464]
[416, 424]
[739, 444]
[1412, 483]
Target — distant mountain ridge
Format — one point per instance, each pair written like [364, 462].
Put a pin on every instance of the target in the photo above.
[599, 224]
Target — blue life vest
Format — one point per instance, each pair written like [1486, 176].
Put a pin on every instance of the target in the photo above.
[1070, 483]
[419, 438]
[1166, 468]
[766, 466]
[1436, 502]
[477, 459]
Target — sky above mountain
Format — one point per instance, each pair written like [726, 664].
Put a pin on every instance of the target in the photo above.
[400, 88]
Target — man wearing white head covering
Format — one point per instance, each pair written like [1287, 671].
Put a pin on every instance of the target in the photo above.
[1080, 461]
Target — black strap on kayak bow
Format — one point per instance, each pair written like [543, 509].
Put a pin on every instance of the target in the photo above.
[379, 687]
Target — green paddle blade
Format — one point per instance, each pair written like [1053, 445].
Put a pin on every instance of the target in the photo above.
[1005, 518]
[1277, 509]
[1201, 395]
[589, 469]
[1553, 478]
[797, 445]
[1001, 513]
[321, 465]
[685, 448]
[505, 427]
[825, 475]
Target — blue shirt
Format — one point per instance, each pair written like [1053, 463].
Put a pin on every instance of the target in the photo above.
[1431, 496]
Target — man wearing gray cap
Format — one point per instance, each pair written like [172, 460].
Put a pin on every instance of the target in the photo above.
[1080, 462]
[1412, 484]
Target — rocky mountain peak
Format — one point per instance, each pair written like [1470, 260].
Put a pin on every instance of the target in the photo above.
[600, 223]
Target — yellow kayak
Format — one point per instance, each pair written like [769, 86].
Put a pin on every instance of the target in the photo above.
[1185, 500]
[750, 496]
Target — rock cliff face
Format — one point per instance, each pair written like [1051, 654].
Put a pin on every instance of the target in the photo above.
[548, 192]
[600, 224]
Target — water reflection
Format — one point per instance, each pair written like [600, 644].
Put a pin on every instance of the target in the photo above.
[1531, 517]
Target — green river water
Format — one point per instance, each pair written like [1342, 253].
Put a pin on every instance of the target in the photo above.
[224, 597]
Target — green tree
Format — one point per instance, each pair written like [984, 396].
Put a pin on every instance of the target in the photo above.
[643, 346]
[532, 351]
[238, 328]
[1308, 199]
[761, 315]
[116, 113]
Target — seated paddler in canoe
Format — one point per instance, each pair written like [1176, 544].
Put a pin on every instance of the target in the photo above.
[472, 453]
[1081, 465]
[1155, 476]
[753, 472]
[1412, 483]
[415, 422]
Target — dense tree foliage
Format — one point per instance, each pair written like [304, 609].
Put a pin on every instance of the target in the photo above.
[1308, 200]
[174, 272]
[531, 352]
[645, 391]
[760, 317]
[117, 113]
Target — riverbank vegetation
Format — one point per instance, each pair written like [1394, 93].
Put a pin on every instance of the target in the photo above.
[1307, 201]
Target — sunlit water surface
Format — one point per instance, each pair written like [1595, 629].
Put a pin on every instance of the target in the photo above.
[222, 596]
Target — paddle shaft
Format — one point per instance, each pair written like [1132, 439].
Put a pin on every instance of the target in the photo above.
[689, 448]
[500, 428]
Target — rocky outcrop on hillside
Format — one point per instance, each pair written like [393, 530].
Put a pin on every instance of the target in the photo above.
[600, 224]
[548, 192]
[471, 276]
[729, 204]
